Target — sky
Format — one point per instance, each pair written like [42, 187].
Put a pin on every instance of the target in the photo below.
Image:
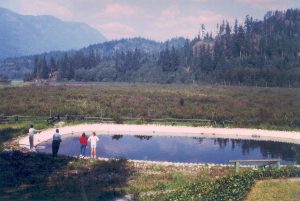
[153, 19]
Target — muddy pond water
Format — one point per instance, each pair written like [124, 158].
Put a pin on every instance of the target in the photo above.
[180, 149]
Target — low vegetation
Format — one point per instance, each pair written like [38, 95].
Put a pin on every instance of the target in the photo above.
[34, 176]
[40, 177]
[230, 187]
[271, 108]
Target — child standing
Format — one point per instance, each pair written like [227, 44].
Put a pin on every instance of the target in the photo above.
[93, 140]
[83, 143]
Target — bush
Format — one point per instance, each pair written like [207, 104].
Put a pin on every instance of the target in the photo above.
[117, 118]
[231, 187]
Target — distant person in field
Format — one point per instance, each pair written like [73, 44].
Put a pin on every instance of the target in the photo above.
[31, 133]
[83, 143]
[55, 143]
[93, 139]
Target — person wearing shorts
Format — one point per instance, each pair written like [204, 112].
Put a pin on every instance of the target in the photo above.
[93, 140]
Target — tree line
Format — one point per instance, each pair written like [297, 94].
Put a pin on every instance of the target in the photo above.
[256, 52]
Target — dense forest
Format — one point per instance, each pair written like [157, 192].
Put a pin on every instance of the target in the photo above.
[256, 52]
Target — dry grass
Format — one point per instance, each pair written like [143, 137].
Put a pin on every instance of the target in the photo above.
[271, 108]
[275, 190]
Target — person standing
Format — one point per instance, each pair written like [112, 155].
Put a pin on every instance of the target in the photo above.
[93, 140]
[31, 133]
[55, 143]
[83, 143]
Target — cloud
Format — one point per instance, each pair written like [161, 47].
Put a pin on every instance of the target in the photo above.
[168, 18]
[200, 1]
[269, 4]
[37, 7]
[154, 19]
[170, 12]
[117, 9]
[172, 21]
[204, 17]
[116, 30]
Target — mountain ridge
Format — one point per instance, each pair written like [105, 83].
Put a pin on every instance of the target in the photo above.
[22, 35]
[15, 68]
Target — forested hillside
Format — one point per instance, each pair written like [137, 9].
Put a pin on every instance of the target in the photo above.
[87, 61]
[255, 52]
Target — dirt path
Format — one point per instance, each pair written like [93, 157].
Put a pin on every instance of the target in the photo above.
[160, 130]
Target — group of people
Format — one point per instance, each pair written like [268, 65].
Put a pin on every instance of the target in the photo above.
[56, 140]
[93, 139]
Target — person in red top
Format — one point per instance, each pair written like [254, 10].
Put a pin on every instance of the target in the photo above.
[83, 143]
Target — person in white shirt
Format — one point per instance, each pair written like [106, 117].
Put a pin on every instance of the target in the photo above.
[55, 143]
[93, 140]
[31, 133]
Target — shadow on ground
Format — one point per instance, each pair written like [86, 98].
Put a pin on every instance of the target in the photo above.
[35, 176]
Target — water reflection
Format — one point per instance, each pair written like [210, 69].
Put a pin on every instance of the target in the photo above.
[268, 149]
[183, 149]
[116, 137]
[143, 137]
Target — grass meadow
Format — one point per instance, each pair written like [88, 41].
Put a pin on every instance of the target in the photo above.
[275, 190]
[270, 108]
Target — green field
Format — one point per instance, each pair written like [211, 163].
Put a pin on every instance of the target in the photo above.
[271, 108]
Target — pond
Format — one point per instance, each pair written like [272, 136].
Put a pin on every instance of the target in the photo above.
[180, 149]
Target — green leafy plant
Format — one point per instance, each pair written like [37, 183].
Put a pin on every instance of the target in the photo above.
[230, 187]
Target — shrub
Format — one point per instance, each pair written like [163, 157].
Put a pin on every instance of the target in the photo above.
[117, 118]
[181, 102]
[230, 187]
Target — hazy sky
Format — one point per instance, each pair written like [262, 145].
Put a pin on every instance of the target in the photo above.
[155, 19]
